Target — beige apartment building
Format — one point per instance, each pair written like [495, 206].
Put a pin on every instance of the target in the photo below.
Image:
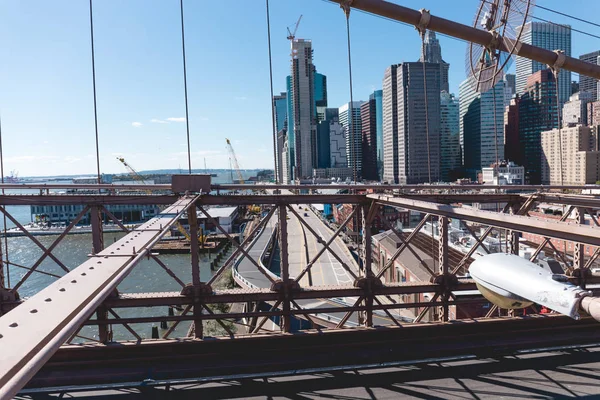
[580, 156]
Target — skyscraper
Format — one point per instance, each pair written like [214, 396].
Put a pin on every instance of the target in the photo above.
[586, 83]
[450, 157]
[390, 124]
[320, 95]
[368, 112]
[331, 116]
[353, 129]
[410, 154]
[280, 109]
[280, 105]
[548, 36]
[512, 148]
[580, 156]
[575, 110]
[481, 118]
[371, 115]
[302, 116]
[537, 113]
[509, 87]
[433, 54]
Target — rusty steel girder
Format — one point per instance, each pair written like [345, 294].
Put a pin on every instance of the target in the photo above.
[31, 333]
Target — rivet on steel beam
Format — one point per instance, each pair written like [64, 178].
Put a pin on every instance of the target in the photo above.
[14, 325]
[83, 274]
[73, 281]
[48, 300]
[1, 336]
[62, 289]
[33, 311]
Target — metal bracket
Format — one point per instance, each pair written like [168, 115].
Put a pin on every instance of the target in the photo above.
[191, 290]
[346, 6]
[423, 21]
[560, 61]
[495, 42]
[280, 286]
[448, 281]
[8, 296]
[368, 283]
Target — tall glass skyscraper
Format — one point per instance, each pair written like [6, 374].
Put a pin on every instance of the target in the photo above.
[450, 157]
[481, 135]
[548, 36]
[410, 155]
[433, 54]
[280, 109]
[353, 128]
[306, 102]
[586, 83]
[372, 136]
[537, 113]
[320, 95]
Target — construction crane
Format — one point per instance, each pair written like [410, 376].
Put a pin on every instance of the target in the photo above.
[253, 209]
[234, 161]
[134, 174]
[292, 35]
[137, 177]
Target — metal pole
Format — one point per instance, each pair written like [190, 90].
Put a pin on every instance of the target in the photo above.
[187, 118]
[97, 229]
[367, 260]
[579, 249]
[194, 249]
[285, 267]
[471, 34]
[443, 261]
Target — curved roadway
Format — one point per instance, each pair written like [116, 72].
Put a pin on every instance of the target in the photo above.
[302, 247]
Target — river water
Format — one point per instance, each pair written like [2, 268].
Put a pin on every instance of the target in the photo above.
[73, 250]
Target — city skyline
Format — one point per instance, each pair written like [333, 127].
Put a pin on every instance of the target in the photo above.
[139, 78]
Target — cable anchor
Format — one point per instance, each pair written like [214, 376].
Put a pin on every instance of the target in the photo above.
[423, 22]
[346, 6]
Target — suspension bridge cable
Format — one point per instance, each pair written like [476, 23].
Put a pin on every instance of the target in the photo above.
[7, 263]
[422, 33]
[560, 152]
[94, 92]
[276, 172]
[396, 21]
[351, 108]
[557, 24]
[187, 119]
[566, 15]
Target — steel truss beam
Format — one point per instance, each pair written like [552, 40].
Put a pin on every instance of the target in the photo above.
[278, 353]
[89, 199]
[574, 233]
[471, 34]
[283, 199]
[31, 333]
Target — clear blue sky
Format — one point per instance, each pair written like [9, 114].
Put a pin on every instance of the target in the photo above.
[46, 86]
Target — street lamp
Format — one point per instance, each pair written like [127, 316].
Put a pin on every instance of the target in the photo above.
[512, 282]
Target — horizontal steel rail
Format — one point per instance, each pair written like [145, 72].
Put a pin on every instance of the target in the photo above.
[559, 230]
[471, 34]
[91, 186]
[276, 354]
[433, 187]
[31, 333]
[167, 187]
[54, 199]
